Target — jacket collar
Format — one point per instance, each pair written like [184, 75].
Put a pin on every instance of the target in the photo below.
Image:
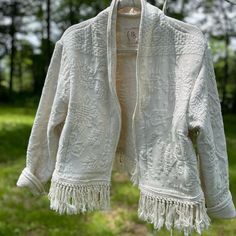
[150, 18]
[150, 15]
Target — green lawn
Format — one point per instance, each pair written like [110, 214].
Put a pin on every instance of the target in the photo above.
[21, 213]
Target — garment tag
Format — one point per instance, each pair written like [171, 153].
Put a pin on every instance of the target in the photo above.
[132, 35]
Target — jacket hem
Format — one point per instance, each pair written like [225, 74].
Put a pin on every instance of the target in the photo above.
[78, 198]
[184, 215]
[30, 181]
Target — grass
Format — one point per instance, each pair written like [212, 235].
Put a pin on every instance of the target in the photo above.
[23, 214]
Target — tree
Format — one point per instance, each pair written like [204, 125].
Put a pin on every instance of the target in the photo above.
[15, 11]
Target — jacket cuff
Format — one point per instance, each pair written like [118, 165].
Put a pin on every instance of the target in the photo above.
[30, 181]
[224, 210]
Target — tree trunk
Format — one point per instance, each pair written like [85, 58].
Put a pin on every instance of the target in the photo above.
[72, 18]
[48, 30]
[226, 59]
[20, 74]
[12, 33]
[234, 93]
[226, 72]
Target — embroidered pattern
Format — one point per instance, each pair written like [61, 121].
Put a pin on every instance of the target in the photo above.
[85, 121]
[99, 162]
[93, 79]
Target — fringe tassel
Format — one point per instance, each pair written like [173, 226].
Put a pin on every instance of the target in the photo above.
[76, 198]
[169, 212]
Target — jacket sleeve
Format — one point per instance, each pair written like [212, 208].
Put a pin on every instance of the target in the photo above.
[48, 124]
[205, 117]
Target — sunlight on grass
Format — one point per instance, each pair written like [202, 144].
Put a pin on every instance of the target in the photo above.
[24, 214]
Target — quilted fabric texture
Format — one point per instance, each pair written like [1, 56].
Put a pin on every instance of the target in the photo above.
[136, 92]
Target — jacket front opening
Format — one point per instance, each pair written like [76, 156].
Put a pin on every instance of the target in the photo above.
[127, 39]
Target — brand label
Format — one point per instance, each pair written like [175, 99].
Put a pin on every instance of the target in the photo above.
[132, 35]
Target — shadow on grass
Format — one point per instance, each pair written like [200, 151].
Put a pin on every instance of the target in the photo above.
[13, 141]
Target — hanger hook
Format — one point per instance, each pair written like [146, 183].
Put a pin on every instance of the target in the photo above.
[164, 6]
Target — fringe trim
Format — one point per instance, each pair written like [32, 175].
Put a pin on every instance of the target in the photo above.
[76, 198]
[170, 212]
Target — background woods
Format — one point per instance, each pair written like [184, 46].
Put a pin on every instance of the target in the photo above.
[29, 29]
[28, 32]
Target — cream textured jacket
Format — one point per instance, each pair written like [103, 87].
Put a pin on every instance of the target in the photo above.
[136, 92]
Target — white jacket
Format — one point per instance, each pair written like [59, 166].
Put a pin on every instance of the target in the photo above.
[154, 113]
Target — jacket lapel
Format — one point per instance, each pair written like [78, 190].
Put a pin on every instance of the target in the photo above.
[148, 19]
